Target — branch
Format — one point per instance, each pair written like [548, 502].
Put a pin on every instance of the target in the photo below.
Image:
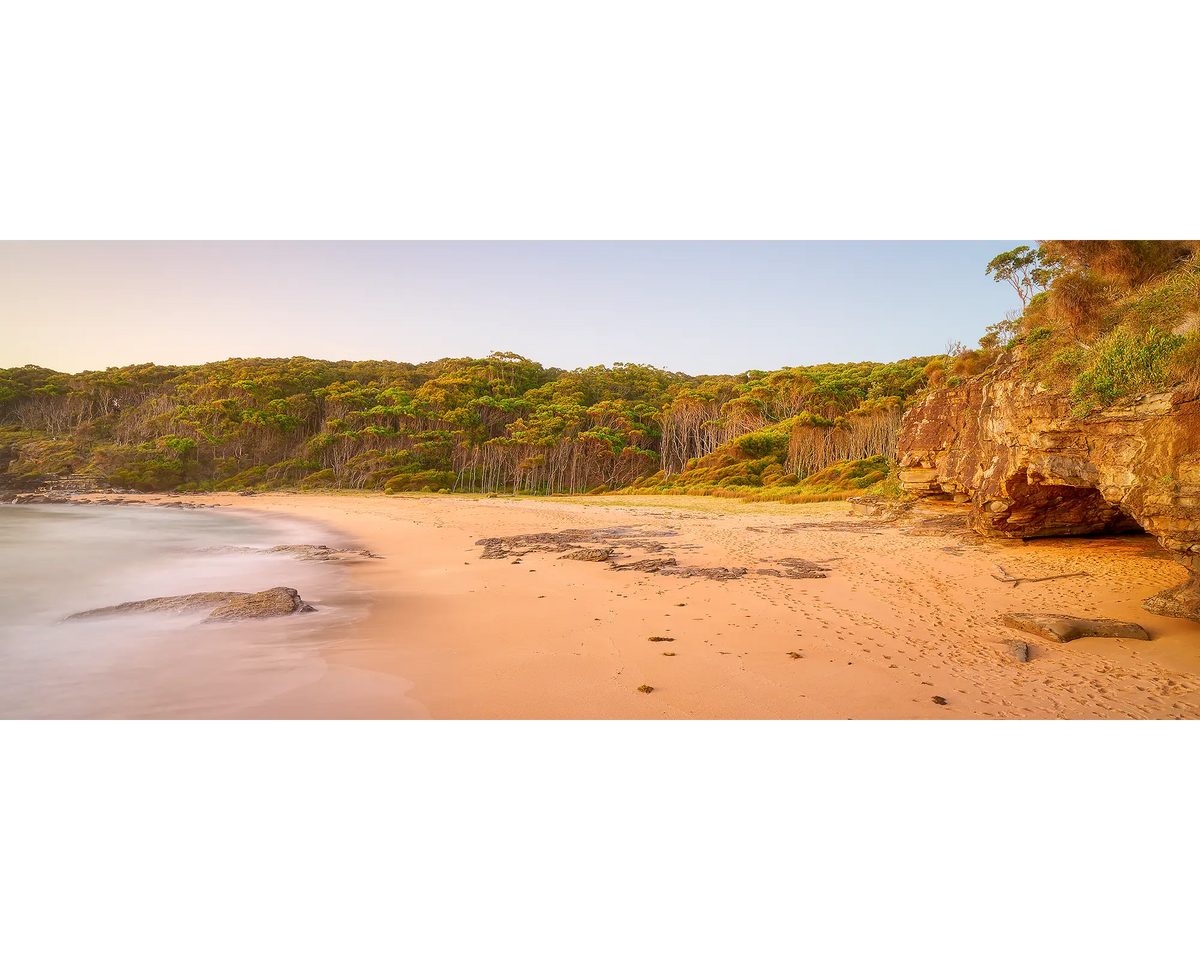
[1005, 577]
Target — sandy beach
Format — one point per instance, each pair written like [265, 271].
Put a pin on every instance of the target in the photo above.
[906, 612]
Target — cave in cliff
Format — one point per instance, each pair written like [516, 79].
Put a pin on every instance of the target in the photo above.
[1015, 451]
[1035, 507]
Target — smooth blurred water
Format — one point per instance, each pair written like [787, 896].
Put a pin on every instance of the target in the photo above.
[56, 560]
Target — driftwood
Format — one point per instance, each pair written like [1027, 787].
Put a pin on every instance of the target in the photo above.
[1006, 577]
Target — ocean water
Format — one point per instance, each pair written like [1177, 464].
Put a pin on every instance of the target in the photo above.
[59, 559]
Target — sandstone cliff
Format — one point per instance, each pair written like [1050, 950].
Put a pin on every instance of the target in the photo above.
[1012, 449]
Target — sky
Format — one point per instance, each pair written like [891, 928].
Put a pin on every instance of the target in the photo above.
[697, 307]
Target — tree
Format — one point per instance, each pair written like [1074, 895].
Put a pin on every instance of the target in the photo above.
[1016, 267]
[1024, 268]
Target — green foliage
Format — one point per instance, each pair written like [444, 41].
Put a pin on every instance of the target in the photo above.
[1023, 268]
[426, 481]
[1124, 363]
[1116, 317]
[498, 423]
[769, 443]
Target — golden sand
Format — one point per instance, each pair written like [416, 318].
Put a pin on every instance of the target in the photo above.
[898, 621]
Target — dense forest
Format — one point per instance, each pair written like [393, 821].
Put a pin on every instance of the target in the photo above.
[502, 423]
[1102, 320]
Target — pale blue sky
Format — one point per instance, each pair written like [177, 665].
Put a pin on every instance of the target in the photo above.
[697, 307]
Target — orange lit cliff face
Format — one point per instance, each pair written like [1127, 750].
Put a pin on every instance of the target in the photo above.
[1029, 468]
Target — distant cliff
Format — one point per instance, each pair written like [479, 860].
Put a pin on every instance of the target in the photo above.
[1030, 468]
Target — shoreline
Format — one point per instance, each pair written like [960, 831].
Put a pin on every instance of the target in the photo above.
[898, 619]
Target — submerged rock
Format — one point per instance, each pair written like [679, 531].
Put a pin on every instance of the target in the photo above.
[302, 551]
[1061, 628]
[311, 551]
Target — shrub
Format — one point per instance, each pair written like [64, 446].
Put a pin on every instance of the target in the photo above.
[1124, 362]
[322, 478]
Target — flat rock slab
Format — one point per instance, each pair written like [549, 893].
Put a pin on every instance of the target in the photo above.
[591, 554]
[278, 601]
[181, 604]
[1061, 628]
[301, 551]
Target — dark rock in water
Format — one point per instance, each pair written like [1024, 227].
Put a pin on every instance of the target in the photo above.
[1020, 650]
[226, 605]
[1061, 628]
[276, 602]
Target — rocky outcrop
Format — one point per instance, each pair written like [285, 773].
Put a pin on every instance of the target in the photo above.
[276, 602]
[1028, 468]
[185, 603]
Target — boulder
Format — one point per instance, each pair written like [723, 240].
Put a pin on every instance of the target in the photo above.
[276, 602]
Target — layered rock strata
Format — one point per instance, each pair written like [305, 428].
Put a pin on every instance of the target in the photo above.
[1028, 468]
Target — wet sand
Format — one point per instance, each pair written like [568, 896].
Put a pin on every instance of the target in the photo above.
[898, 619]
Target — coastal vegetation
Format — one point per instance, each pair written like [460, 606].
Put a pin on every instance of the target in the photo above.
[1100, 320]
[498, 424]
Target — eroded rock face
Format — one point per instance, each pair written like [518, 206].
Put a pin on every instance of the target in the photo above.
[1029, 469]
